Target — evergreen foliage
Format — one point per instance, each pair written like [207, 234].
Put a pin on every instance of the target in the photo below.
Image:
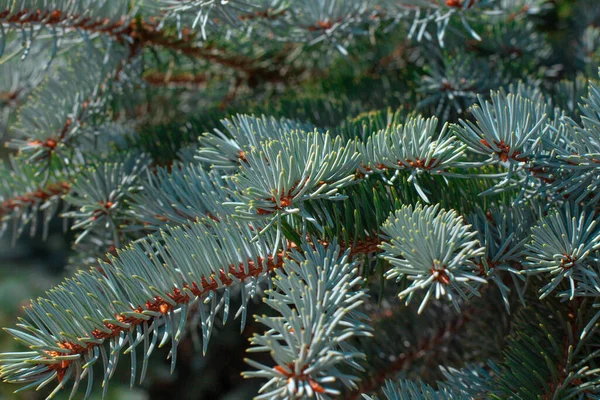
[310, 163]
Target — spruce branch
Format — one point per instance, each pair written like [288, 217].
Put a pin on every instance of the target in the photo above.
[98, 194]
[452, 82]
[21, 198]
[55, 119]
[508, 128]
[334, 22]
[59, 17]
[437, 340]
[316, 299]
[563, 245]
[503, 233]
[277, 177]
[17, 80]
[139, 296]
[358, 218]
[151, 283]
[424, 346]
[435, 249]
[121, 24]
[226, 150]
[515, 39]
[258, 201]
[546, 358]
[50, 129]
[179, 195]
[414, 146]
[569, 164]
[370, 201]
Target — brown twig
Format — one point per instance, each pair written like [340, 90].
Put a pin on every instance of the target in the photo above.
[139, 34]
[40, 195]
[181, 79]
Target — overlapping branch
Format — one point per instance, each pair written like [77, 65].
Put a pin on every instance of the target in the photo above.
[128, 297]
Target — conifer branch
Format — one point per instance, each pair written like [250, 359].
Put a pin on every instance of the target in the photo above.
[108, 308]
[135, 34]
[412, 248]
[258, 202]
[98, 193]
[551, 339]
[65, 20]
[564, 243]
[40, 195]
[66, 105]
[179, 195]
[126, 298]
[22, 197]
[316, 302]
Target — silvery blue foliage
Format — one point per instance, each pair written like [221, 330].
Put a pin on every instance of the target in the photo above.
[99, 191]
[18, 188]
[278, 176]
[564, 244]
[415, 146]
[225, 150]
[316, 298]
[62, 21]
[140, 298]
[179, 195]
[435, 250]
[503, 232]
[508, 128]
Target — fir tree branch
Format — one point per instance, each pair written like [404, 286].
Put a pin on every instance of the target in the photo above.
[102, 310]
[317, 301]
[146, 34]
[178, 195]
[55, 132]
[135, 265]
[72, 98]
[412, 247]
[562, 365]
[137, 34]
[99, 192]
[22, 196]
[65, 20]
[547, 345]
[42, 194]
